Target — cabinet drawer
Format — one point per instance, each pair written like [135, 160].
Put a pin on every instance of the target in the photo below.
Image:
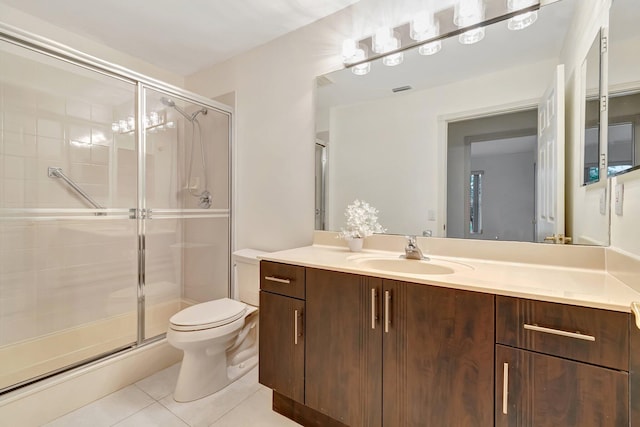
[283, 279]
[589, 335]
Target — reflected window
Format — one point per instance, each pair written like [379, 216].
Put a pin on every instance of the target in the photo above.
[475, 202]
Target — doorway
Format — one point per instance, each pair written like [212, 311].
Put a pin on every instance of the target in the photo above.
[491, 177]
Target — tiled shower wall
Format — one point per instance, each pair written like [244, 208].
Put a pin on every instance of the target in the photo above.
[58, 274]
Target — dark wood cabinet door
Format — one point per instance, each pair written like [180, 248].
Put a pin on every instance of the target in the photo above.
[281, 349]
[438, 356]
[634, 367]
[343, 347]
[548, 391]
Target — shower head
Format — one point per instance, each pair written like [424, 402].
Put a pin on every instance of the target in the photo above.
[171, 104]
[168, 102]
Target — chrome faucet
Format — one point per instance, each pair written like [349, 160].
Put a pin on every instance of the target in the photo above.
[412, 250]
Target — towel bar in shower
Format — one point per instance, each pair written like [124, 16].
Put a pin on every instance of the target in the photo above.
[54, 172]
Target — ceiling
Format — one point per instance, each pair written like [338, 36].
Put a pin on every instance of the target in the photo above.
[181, 36]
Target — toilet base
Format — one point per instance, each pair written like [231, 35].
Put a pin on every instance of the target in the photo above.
[193, 384]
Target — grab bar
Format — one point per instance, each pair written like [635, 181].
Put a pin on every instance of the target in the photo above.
[57, 173]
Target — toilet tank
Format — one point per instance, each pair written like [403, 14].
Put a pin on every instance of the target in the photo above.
[247, 275]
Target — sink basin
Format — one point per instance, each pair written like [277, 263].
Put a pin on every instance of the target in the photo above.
[401, 265]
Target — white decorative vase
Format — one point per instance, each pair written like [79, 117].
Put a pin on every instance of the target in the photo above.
[355, 244]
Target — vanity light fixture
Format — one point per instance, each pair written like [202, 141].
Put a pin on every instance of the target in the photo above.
[465, 14]
[424, 26]
[153, 122]
[523, 20]
[427, 28]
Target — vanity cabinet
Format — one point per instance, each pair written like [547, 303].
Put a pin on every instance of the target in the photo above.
[281, 329]
[389, 353]
[634, 371]
[560, 365]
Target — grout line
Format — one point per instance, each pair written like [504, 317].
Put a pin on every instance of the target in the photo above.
[236, 406]
[131, 415]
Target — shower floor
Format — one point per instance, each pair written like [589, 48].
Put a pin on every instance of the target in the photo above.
[32, 358]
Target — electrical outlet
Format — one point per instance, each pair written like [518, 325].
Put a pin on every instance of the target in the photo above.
[603, 202]
[431, 215]
[619, 197]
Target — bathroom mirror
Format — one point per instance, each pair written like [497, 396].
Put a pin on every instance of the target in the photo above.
[591, 70]
[383, 136]
[624, 87]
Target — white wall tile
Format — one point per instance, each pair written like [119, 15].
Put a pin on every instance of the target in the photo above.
[13, 167]
[49, 128]
[49, 148]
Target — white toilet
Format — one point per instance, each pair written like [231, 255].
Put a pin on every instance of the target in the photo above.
[219, 338]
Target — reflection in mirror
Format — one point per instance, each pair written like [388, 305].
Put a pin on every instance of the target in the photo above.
[624, 87]
[491, 182]
[591, 71]
[386, 132]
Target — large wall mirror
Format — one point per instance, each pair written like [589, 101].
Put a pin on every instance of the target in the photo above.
[465, 143]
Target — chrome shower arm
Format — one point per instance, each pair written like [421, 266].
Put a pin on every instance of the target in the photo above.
[54, 172]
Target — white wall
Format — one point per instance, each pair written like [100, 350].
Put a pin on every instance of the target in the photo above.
[274, 150]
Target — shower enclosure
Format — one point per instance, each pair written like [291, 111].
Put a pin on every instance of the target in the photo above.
[114, 207]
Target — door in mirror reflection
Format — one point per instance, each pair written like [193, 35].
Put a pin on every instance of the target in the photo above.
[491, 164]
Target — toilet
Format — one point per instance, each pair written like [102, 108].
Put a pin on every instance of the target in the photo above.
[219, 338]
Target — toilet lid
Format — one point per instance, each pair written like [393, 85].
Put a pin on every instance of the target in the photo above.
[207, 315]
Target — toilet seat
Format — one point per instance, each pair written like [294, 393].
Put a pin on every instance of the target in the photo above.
[207, 315]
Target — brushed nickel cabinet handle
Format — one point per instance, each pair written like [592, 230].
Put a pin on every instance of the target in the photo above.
[277, 279]
[635, 309]
[505, 389]
[374, 315]
[295, 327]
[387, 316]
[576, 335]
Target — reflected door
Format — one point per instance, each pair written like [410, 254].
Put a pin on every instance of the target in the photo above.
[550, 166]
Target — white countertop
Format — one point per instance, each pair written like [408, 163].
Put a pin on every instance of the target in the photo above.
[576, 286]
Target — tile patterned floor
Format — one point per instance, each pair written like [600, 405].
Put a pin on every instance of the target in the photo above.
[149, 403]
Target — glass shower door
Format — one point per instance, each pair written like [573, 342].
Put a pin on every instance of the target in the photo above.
[185, 183]
[68, 247]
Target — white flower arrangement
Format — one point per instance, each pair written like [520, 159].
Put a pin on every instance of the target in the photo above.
[362, 221]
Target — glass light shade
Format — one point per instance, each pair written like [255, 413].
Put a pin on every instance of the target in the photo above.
[349, 47]
[384, 40]
[361, 69]
[392, 60]
[430, 48]
[423, 26]
[471, 36]
[396, 58]
[523, 20]
[468, 12]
